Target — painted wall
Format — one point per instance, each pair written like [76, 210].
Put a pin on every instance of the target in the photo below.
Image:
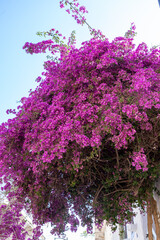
[135, 231]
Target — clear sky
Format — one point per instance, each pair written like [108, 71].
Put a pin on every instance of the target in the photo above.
[20, 20]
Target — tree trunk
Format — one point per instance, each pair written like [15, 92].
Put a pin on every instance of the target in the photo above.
[149, 220]
[155, 215]
[152, 211]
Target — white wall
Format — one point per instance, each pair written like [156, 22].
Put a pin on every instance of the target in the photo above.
[135, 231]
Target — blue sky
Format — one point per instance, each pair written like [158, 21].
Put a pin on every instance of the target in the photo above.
[20, 20]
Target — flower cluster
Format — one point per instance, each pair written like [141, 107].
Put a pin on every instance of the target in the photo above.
[38, 47]
[125, 207]
[13, 223]
[71, 147]
[78, 12]
[140, 160]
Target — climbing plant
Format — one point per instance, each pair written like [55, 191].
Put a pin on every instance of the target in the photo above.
[85, 144]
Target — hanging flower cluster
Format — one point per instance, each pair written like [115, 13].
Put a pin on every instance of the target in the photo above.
[139, 160]
[73, 146]
[13, 222]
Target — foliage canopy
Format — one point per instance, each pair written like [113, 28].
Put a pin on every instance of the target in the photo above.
[86, 141]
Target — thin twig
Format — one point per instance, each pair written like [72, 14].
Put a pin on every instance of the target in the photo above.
[79, 15]
[84, 21]
[82, 196]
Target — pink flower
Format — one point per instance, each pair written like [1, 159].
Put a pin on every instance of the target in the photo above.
[61, 5]
[82, 9]
[68, 11]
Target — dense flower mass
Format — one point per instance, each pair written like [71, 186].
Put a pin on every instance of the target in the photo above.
[87, 138]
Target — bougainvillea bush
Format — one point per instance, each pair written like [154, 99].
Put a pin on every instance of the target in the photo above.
[86, 142]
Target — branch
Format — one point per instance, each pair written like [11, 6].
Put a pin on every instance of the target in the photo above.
[117, 157]
[97, 194]
[137, 188]
[119, 190]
